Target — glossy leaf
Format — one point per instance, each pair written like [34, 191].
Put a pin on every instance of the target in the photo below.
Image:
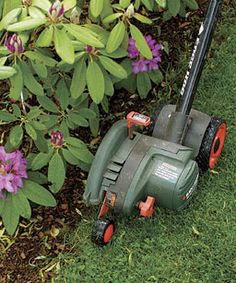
[56, 171]
[45, 37]
[116, 37]
[26, 25]
[16, 84]
[63, 46]
[21, 204]
[9, 215]
[84, 35]
[112, 67]
[16, 135]
[95, 82]
[29, 80]
[96, 7]
[143, 84]
[6, 72]
[10, 18]
[38, 194]
[140, 42]
[78, 82]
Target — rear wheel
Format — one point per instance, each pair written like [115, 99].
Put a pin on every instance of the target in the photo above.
[212, 144]
[102, 232]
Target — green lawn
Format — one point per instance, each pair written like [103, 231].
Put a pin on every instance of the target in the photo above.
[197, 244]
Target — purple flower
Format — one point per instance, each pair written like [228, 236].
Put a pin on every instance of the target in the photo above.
[57, 139]
[142, 64]
[132, 50]
[14, 44]
[12, 171]
[56, 10]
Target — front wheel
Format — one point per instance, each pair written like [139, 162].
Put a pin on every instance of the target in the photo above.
[102, 231]
[212, 144]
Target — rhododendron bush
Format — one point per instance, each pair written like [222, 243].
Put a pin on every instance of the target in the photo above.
[62, 61]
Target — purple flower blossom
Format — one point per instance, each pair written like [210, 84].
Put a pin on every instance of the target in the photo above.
[56, 10]
[142, 64]
[57, 139]
[14, 44]
[12, 171]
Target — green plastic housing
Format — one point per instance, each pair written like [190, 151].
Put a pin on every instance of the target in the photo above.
[133, 169]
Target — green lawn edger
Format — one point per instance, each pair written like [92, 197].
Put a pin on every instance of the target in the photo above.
[136, 171]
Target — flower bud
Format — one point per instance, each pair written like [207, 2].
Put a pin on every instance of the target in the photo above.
[130, 11]
[56, 10]
[57, 139]
[14, 44]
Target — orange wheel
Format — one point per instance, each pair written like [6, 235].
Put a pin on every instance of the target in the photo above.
[102, 232]
[212, 144]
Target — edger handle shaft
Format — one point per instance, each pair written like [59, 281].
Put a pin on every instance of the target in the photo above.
[198, 58]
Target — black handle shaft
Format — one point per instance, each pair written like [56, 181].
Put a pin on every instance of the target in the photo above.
[198, 58]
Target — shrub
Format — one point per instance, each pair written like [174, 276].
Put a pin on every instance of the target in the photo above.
[62, 61]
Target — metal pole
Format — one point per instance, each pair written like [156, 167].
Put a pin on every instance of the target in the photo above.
[198, 58]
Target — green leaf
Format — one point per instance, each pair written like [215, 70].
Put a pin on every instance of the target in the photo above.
[69, 157]
[40, 58]
[112, 67]
[38, 194]
[16, 84]
[84, 35]
[192, 4]
[37, 177]
[75, 142]
[63, 94]
[142, 19]
[29, 80]
[156, 76]
[9, 215]
[124, 3]
[63, 46]
[42, 4]
[96, 7]
[45, 37]
[87, 113]
[36, 13]
[95, 82]
[34, 113]
[21, 204]
[78, 119]
[78, 82]
[40, 69]
[148, 4]
[16, 110]
[174, 7]
[56, 171]
[140, 42]
[82, 154]
[41, 160]
[26, 25]
[6, 116]
[109, 19]
[109, 88]
[6, 72]
[143, 84]
[2, 203]
[69, 4]
[116, 37]
[16, 135]
[10, 18]
[47, 104]
[31, 131]
[41, 143]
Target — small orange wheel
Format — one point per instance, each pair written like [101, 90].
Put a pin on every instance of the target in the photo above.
[217, 145]
[212, 144]
[102, 232]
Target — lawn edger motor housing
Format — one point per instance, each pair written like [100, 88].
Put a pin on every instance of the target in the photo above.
[135, 171]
